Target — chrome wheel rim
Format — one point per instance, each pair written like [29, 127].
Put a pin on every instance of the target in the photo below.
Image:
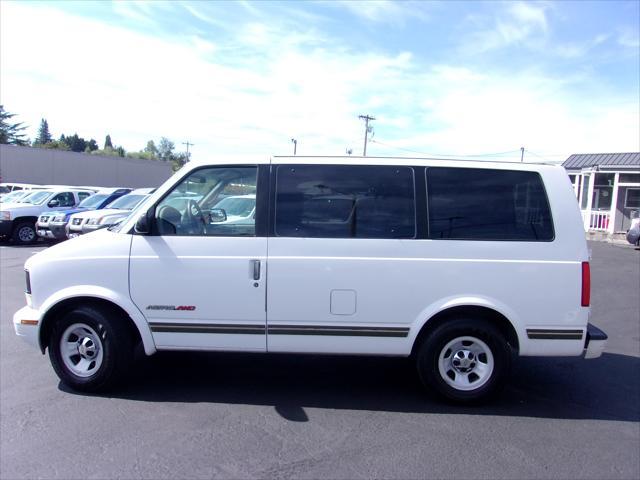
[81, 350]
[26, 234]
[466, 363]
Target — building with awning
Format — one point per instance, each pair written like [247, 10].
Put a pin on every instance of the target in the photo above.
[607, 186]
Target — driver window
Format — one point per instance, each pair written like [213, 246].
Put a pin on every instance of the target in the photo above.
[217, 201]
[65, 199]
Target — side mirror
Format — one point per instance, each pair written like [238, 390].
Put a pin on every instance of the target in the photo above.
[143, 225]
[53, 203]
[217, 215]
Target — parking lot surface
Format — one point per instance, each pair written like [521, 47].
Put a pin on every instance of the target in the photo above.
[197, 415]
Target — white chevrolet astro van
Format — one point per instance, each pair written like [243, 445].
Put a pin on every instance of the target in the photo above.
[455, 263]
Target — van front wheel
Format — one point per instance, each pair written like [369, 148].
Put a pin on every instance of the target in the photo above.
[464, 361]
[90, 349]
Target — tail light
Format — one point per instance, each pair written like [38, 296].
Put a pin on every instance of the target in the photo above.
[586, 284]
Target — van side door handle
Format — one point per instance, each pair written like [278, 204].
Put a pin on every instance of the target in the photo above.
[256, 269]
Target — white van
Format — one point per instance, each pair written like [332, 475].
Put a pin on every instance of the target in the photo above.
[456, 263]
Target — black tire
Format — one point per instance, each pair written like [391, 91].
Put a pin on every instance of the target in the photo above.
[102, 327]
[477, 369]
[24, 233]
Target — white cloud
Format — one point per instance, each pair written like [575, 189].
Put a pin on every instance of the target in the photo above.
[287, 83]
[516, 24]
[629, 38]
[384, 11]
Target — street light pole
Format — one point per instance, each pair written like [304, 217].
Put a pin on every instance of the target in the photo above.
[295, 145]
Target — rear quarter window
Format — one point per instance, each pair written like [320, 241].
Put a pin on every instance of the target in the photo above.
[487, 204]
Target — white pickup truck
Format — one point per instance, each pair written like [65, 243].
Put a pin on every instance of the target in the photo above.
[18, 220]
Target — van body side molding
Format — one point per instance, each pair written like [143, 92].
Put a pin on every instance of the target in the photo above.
[333, 330]
[233, 329]
[547, 334]
[338, 330]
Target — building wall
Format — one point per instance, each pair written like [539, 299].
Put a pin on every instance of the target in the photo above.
[58, 167]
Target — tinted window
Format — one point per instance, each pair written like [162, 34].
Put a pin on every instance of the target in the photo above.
[480, 204]
[340, 201]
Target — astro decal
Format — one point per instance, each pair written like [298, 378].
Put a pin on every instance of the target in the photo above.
[183, 308]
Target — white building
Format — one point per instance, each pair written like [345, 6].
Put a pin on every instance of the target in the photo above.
[608, 189]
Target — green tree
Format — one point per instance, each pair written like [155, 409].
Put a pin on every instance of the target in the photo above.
[91, 146]
[165, 149]
[55, 145]
[74, 142]
[107, 142]
[151, 149]
[11, 133]
[44, 136]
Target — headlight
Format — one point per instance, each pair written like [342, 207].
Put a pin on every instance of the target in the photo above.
[5, 215]
[77, 221]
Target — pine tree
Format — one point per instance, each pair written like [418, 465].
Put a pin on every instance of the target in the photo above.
[44, 136]
[11, 132]
[107, 142]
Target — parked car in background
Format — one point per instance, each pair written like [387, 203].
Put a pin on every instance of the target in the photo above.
[14, 196]
[54, 226]
[18, 220]
[10, 187]
[240, 209]
[85, 222]
[6, 188]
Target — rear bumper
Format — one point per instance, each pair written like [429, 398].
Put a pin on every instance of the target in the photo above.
[595, 342]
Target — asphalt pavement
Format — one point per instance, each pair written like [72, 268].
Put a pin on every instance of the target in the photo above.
[206, 415]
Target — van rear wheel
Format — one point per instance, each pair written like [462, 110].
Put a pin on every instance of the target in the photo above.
[90, 349]
[464, 361]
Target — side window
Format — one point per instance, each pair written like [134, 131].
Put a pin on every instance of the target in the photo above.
[344, 201]
[217, 201]
[65, 199]
[632, 198]
[484, 204]
[83, 195]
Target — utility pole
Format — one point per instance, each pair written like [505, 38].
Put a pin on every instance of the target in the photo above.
[188, 145]
[366, 119]
[295, 145]
[521, 154]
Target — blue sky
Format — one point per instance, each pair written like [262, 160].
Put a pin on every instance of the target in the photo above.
[243, 78]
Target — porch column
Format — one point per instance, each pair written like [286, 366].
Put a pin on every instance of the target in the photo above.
[587, 220]
[614, 204]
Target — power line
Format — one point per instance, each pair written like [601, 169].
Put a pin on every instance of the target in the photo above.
[188, 144]
[366, 119]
